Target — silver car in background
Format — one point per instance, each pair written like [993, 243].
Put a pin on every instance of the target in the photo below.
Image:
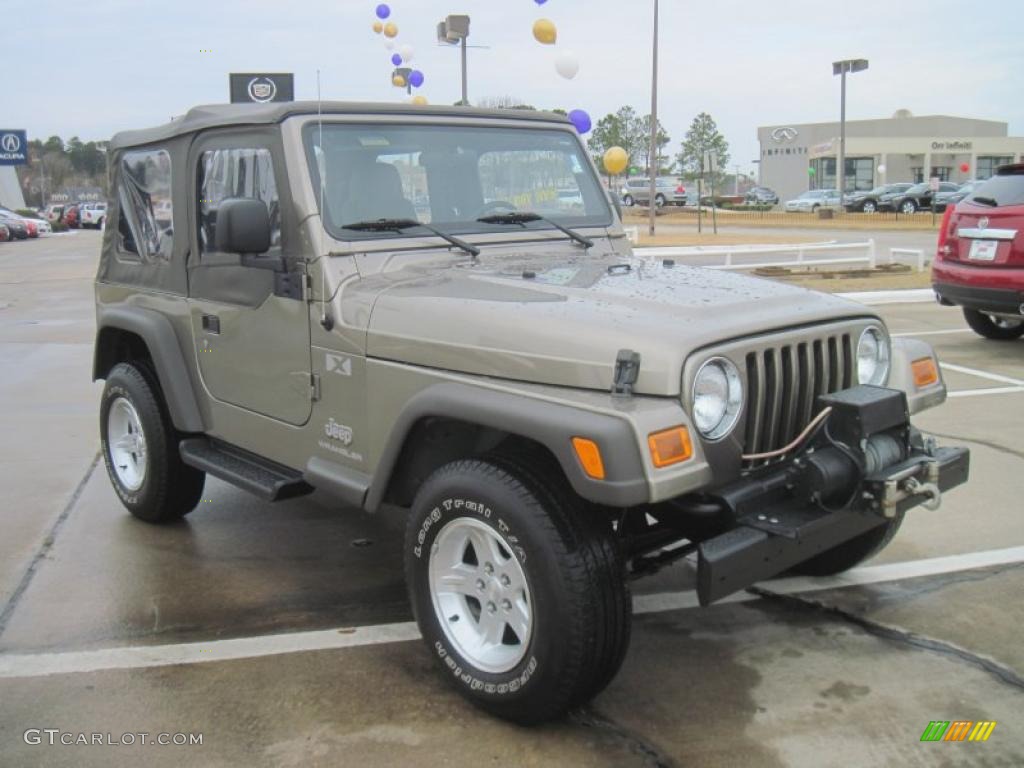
[813, 199]
[668, 191]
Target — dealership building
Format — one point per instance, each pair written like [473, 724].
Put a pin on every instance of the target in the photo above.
[797, 157]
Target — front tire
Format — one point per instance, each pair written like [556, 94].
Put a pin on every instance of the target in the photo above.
[140, 448]
[517, 588]
[869, 207]
[995, 328]
[851, 553]
[628, 201]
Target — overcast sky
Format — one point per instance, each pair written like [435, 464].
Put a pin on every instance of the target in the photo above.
[93, 68]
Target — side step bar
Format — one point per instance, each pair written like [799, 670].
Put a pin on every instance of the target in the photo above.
[263, 478]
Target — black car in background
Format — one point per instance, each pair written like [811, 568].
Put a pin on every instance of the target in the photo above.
[919, 197]
[871, 201]
[944, 199]
[15, 225]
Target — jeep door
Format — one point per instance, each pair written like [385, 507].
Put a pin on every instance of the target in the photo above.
[251, 331]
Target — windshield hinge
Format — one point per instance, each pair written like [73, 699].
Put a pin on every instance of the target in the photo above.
[627, 370]
[314, 387]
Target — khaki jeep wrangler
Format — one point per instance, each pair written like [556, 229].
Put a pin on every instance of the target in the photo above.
[436, 308]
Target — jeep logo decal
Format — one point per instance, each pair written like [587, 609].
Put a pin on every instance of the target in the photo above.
[338, 432]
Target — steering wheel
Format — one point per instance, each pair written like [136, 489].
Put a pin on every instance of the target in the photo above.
[495, 205]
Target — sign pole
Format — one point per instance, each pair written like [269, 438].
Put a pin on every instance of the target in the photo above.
[652, 158]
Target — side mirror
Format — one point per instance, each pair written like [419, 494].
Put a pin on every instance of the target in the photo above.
[243, 226]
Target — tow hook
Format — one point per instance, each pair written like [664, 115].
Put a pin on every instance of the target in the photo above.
[931, 490]
[905, 484]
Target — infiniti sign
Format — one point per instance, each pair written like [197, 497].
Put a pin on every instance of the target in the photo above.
[13, 145]
[779, 135]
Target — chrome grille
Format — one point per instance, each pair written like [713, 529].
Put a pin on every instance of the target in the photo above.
[783, 382]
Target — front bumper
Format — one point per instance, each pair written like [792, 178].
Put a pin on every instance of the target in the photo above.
[827, 493]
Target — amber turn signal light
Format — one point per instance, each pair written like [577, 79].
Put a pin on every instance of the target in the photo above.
[590, 457]
[670, 446]
[925, 372]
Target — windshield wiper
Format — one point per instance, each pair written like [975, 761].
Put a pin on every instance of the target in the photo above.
[991, 201]
[525, 217]
[399, 225]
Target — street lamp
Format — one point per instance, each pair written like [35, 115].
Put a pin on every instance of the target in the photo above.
[652, 161]
[842, 68]
[455, 29]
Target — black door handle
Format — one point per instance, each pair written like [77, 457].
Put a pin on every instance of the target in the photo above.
[211, 323]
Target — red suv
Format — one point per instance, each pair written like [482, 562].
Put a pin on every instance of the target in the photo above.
[980, 261]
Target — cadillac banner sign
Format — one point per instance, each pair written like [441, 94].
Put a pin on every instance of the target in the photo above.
[262, 87]
[13, 147]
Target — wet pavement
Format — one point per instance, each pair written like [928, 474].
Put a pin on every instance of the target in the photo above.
[834, 677]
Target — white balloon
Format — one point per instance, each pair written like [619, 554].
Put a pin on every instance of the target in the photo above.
[407, 53]
[567, 64]
[881, 168]
[389, 43]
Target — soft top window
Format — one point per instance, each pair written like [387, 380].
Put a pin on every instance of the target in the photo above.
[145, 224]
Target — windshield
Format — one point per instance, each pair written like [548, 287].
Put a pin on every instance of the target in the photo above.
[813, 193]
[449, 176]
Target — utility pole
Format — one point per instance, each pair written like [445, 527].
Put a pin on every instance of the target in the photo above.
[841, 68]
[653, 157]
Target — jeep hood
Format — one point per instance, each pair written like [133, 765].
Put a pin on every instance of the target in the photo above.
[555, 315]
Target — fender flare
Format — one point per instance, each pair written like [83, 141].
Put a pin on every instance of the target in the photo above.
[550, 424]
[158, 334]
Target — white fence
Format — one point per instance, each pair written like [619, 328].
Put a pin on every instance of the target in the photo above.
[730, 253]
[804, 254]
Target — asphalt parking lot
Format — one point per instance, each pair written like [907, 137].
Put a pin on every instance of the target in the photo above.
[281, 632]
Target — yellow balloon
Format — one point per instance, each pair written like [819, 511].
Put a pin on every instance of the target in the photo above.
[420, 101]
[545, 32]
[615, 160]
[378, 27]
[398, 81]
[390, 29]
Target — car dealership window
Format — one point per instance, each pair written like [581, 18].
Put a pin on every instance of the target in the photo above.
[225, 173]
[987, 164]
[145, 224]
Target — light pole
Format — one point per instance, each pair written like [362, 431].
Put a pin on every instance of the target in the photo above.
[841, 68]
[455, 29]
[653, 155]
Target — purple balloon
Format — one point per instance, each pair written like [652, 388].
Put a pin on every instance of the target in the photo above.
[415, 78]
[540, 2]
[581, 120]
[396, 59]
[383, 11]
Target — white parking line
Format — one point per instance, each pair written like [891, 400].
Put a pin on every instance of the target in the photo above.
[902, 296]
[933, 333]
[982, 374]
[988, 391]
[138, 657]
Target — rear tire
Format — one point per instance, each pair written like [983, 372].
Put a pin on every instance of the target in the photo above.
[628, 201]
[869, 207]
[550, 578]
[659, 201]
[993, 327]
[140, 448]
[851, 553]
[908, 207]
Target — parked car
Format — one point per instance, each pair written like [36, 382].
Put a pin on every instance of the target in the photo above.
[54, 212]
[871, 201]
[42, 225]
[5, 233]
[30, 225]
[93, 215]
[812, 200]
[979, 265]
[668, 191]
[558, 419]
[17, 226]
[71, 216]
[761, 196]
[919, 197]
[942, 199]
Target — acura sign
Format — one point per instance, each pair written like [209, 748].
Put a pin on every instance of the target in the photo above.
[262, 87]
[13, 147]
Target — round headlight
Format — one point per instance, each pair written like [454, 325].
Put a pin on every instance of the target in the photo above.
[872, 356]
[717, 398]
